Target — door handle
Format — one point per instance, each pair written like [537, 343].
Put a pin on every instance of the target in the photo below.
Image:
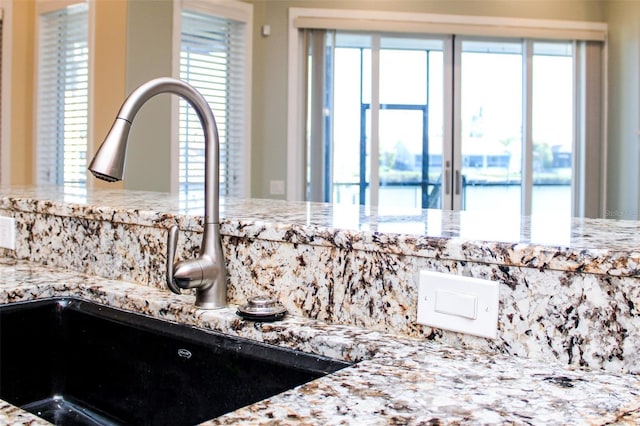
[447, 178]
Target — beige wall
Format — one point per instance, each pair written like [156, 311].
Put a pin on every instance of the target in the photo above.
[149, 55]
[623, 180]
[21, 152]
[108, 84]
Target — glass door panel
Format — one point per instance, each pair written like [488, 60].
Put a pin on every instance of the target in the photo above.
[552, 129]
[491, 125]
[346, 132]
[411, 112]
[403, 73]
[407, 164]
[402, 166]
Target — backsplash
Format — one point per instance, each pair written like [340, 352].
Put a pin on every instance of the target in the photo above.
[574, 298]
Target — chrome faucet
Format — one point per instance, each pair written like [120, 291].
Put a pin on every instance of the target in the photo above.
[207, 272]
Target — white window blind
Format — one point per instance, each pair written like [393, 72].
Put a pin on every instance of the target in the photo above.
[212, 59]
[62, 112]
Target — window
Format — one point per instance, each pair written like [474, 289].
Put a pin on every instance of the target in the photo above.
[448, 120]
[213, 58]
[62, 96]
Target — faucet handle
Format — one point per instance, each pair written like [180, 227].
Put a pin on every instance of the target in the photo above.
[172, 244]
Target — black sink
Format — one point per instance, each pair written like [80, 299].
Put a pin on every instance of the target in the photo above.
[74, 362]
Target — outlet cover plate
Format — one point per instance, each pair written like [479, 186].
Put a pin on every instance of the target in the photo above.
[456, 303]
[276, 187]
[7, 233]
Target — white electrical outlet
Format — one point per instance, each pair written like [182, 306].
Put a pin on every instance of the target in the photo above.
[276, 187]
[7, 232]
[457, 303]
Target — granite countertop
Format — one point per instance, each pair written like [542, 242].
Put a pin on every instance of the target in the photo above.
[397, 381]
[576, 245]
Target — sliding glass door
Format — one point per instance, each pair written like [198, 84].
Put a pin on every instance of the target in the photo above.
[443, 122]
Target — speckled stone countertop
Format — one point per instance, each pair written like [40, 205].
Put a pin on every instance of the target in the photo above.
[609, 247]
[397, 381]
[569, 291]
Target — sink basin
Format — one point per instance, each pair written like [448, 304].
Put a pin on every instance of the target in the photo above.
[74, 362]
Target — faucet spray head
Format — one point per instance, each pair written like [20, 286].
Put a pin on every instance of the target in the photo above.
[108, 163]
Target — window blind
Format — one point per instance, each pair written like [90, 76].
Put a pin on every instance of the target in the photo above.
[62, 112]
[212, 60]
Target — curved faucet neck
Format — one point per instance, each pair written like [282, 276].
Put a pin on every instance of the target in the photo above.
[143, 93]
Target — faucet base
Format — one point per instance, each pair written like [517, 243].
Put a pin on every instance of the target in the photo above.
[210, 299]
[209, 306]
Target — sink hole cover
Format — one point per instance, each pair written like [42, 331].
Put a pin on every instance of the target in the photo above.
[263, 309]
